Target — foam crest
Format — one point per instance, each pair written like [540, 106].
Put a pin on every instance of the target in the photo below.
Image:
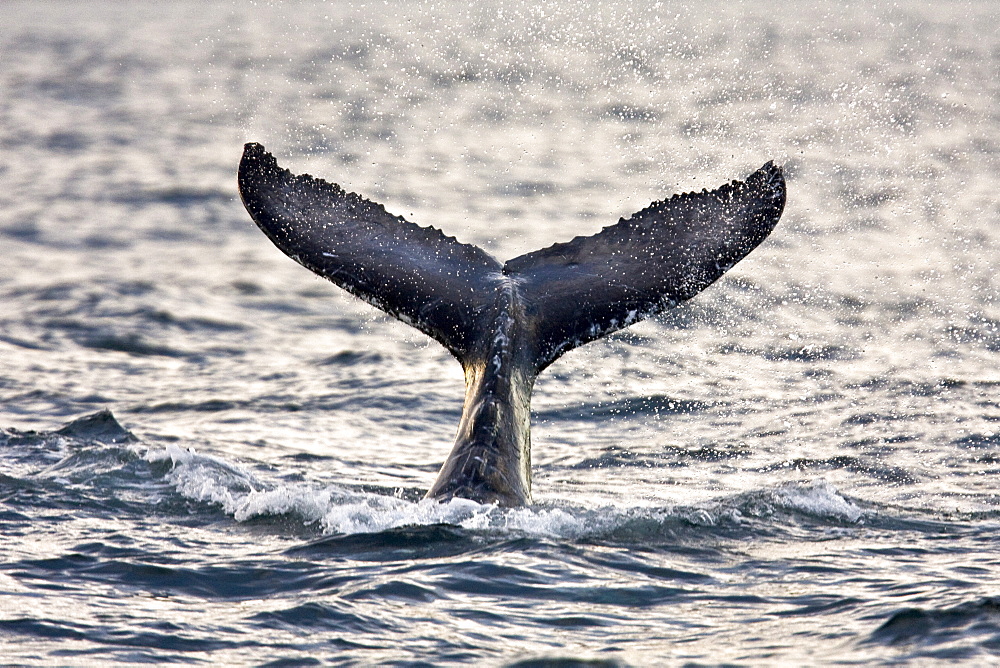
[367, 513]
[339, 510]
[819, 499]
[209, 479]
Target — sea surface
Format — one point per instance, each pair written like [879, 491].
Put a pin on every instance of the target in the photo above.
[210, 456]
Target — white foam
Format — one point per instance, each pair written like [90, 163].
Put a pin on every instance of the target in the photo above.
[369, 512]
[818, 498]
[206, 478]
[338, 510]
[335, 509]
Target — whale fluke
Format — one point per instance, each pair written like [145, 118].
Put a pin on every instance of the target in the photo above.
[506, 322]
[413, 273]
[666, 253]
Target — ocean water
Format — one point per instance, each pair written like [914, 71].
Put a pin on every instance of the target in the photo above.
[209, 455]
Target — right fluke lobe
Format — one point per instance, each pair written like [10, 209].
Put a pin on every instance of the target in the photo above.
[592, 286]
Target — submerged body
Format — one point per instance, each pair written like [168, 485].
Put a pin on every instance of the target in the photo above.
[506, 322]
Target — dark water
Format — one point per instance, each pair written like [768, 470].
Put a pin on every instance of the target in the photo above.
[798, 467]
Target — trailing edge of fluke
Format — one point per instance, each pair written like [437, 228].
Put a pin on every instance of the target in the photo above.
[506, 322]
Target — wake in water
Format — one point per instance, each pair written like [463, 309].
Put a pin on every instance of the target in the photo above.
[96, 452]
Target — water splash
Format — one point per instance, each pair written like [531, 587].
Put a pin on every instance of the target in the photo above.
[336, 509]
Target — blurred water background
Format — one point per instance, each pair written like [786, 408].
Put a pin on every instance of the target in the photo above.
[795, 467]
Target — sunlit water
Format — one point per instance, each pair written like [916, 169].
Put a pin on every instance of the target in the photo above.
[799, 466]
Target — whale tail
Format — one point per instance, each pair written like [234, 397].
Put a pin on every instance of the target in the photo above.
[524, 313]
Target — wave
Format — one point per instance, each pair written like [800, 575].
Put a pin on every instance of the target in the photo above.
[956, 632]
[97, 458]
[336, 509]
